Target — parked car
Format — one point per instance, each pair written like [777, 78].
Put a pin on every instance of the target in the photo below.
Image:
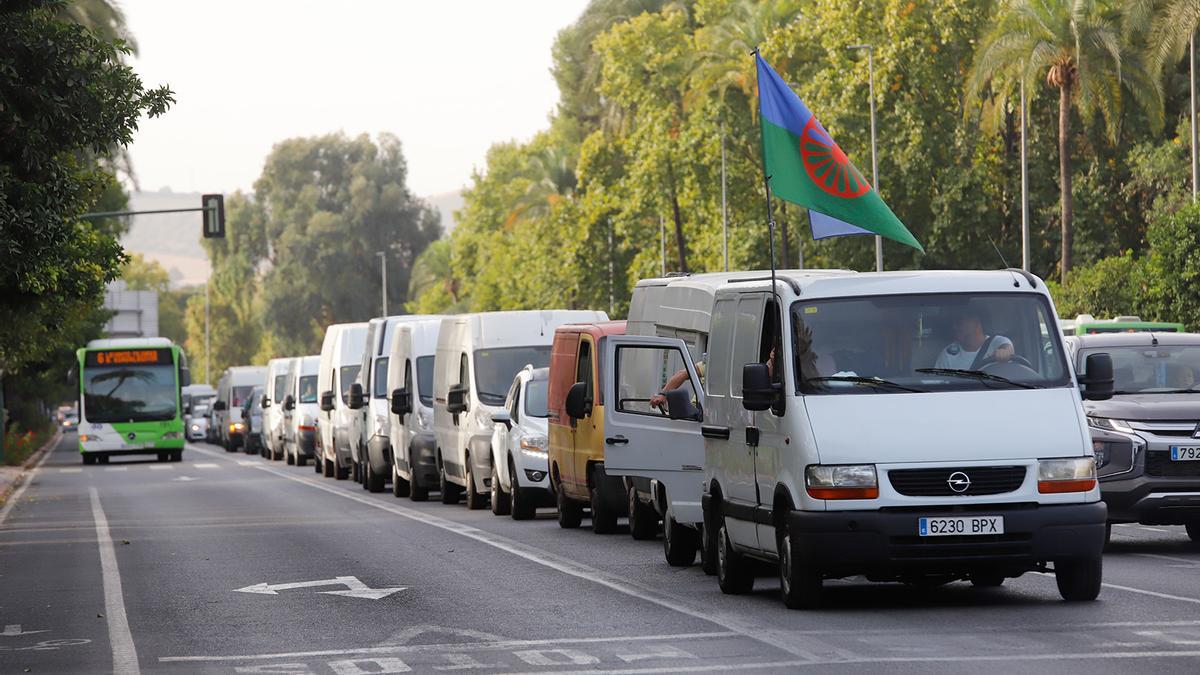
[577, 404]
[477, 357]
[410, 383]
[341, 358]
[820, 394]
[1146, 437]
[301, 442]
[272, 409]
[235, 385]
[252, 416]
[520, 466]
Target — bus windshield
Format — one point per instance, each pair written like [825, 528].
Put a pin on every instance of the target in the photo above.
[142, 393]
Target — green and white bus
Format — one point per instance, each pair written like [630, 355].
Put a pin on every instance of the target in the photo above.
[129, 399]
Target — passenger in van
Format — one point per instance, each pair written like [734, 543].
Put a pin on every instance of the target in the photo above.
[969, 341]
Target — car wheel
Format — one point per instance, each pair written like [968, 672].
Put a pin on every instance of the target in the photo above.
[416, 491]
[735, 575]
[570, 514]
[450, 491]
[604, 521]
[1193, 530]
[374, 481]
[708, 549]
[1107, 536]
[800, 586]
[680, 543]
[501, 505]
[328, 465]
[643, 520]
[522, 507]
[474, 496]
[1079, 579]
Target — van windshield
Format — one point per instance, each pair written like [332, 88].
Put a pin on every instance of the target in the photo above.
[496, 368]
[929, 342]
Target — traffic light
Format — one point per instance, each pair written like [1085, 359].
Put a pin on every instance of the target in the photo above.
[214, 216]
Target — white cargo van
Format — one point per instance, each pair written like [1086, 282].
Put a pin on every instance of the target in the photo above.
[410, 386]
[341, 358]
[478, 355]
[912, 426]
[272, 409]
[235, 385]
[303, 409]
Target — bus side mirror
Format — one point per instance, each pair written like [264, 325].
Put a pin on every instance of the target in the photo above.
[289, 402]
[400, 403]
[1098, 384]
[356, 397]
[577, 405]
[185, 377]
[327, 401]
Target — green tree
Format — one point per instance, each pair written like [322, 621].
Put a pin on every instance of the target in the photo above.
[1087, 51]
[142, 274]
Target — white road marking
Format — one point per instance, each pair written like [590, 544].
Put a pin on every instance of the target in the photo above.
[124, 653]
[1150, 529]
[116, 468]
[183, 479]
[1130, 589]
[1169, 558]
[351, 667]
[16, 495]
[247, 462]
[451, 647]
[14, 629]
[71, 469]
[161, 467]
[355, 588]
[206, 465]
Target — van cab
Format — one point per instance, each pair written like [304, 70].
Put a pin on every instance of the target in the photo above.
[410, 385]
[303, 409]
[477, 357]
[272, 411]
[904, 426]
[341, 358]
[234, 387]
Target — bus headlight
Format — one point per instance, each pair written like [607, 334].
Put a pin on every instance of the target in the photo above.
[170, 435]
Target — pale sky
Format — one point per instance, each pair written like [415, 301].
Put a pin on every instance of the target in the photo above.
[448, 77]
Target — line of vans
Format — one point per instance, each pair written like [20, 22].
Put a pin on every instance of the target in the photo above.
[920, 427]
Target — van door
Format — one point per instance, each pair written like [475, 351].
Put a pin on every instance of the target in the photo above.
[584, 435]
[740, 484]
[642, 439]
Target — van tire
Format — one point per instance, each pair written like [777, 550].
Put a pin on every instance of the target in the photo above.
[643, 519]
[800, 586]
[570, 514]
[400, 487]
[416, 491]
[708, 551]
[374, 481]
[680, 543]
[450, 491]
[354, 472]
[328, 468]
[521, 506]
[475, 498]
[501, 500]
[340, 473]
[604, 521]
[735, 574]
[1079, 579]
[287, 457]
[1193, 530]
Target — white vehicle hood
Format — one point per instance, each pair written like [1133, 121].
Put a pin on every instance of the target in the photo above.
[948, 426]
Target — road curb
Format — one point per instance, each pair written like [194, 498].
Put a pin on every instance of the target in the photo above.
[7, 490]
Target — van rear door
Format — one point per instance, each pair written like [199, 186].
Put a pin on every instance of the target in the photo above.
[643, 437]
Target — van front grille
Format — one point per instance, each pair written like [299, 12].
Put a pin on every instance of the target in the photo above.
[983, 480]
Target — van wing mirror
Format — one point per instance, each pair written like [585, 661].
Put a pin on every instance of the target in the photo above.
[327, 401]
[456, 399]
[758, 392]
[264, 401]
[1097, 385]
[355, 399]
[679, 405]
[578, 406]
[289, 402]
[400, 402]
[502, 417]
[219, 406]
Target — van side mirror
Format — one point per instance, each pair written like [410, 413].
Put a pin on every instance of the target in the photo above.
[679, 405]
[289, 402]
[456, 399]
[327, 401]
[265, 402]
[578, 406]
[758, 392]
[400, 402]
[355, 400]
[219, 406]
[1098, 384]
[504, 418]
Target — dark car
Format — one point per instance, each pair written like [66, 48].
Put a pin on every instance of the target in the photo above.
[252, 416]
[1147, 436]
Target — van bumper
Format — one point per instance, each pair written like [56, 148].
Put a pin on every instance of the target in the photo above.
[885, 544]
[379, 454]
[1153, 500]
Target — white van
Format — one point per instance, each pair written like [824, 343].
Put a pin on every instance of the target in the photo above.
[303, 410]
[478, 355]
[272, 409]
[341, 358]
[235, 385]
[912, 426]
[412, 446]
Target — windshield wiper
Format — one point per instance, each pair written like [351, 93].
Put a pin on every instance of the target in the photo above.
[978, 375]
[875, 381]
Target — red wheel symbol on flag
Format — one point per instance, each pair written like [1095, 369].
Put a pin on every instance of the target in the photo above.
[827, 165]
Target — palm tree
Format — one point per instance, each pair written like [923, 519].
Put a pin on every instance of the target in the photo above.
[551, 175]
[1086, 49]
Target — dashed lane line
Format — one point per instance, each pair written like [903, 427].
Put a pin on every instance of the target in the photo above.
[206, 465]
[124, 653]
[161, 467]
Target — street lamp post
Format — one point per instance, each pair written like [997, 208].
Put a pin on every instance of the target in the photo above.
[724, 206]
[207, 352]
[1192, 88]
[874, 163]
[1024, 183]
[383, 277]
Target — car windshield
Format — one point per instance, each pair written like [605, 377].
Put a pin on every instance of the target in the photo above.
[379, 379]
[425, 380]
[1150, 369]
[308, 389]
[929, 342]
[535, 398]
[496, 368]
[130, 393]
[349, 374]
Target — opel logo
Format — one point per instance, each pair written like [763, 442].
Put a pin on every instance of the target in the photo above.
[959, 482]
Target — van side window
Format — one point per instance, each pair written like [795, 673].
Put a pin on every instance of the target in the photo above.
[770, 349]
[516, 403]
[745, 338]
[720, 342]
[583, 367]
[464, 377]
[408, 379]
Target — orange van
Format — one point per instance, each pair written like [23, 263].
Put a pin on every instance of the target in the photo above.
[576, 422]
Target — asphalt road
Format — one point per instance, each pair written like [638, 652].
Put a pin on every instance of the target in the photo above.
[136, 566]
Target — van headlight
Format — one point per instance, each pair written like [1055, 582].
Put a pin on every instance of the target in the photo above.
[842, 481]
[1074, 474]
[1109, 424]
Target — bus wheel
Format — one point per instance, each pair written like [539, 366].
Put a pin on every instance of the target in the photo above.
[162, 456]
[89, 459]
[177, 455]
[103, 459]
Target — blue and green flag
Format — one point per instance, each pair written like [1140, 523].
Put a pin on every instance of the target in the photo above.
[809, 169]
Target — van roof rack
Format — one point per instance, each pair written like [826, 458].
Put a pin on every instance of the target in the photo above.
[788, 280]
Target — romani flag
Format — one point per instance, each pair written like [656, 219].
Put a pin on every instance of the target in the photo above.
[807, 168]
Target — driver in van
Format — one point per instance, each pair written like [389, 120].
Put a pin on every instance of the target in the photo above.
[969, 341]
[676, 381]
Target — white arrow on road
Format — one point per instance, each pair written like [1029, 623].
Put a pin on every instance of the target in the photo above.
[183, 479]
[354, 588]
[14, 629]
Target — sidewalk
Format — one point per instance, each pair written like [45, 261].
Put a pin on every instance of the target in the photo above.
[11, 476]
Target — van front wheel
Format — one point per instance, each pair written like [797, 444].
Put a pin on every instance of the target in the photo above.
[475, 498]
[799, 585]
[1079, 579]
[570, 514]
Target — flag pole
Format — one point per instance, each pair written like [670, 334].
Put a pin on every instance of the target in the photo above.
[1024, 181]
[770, 228]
